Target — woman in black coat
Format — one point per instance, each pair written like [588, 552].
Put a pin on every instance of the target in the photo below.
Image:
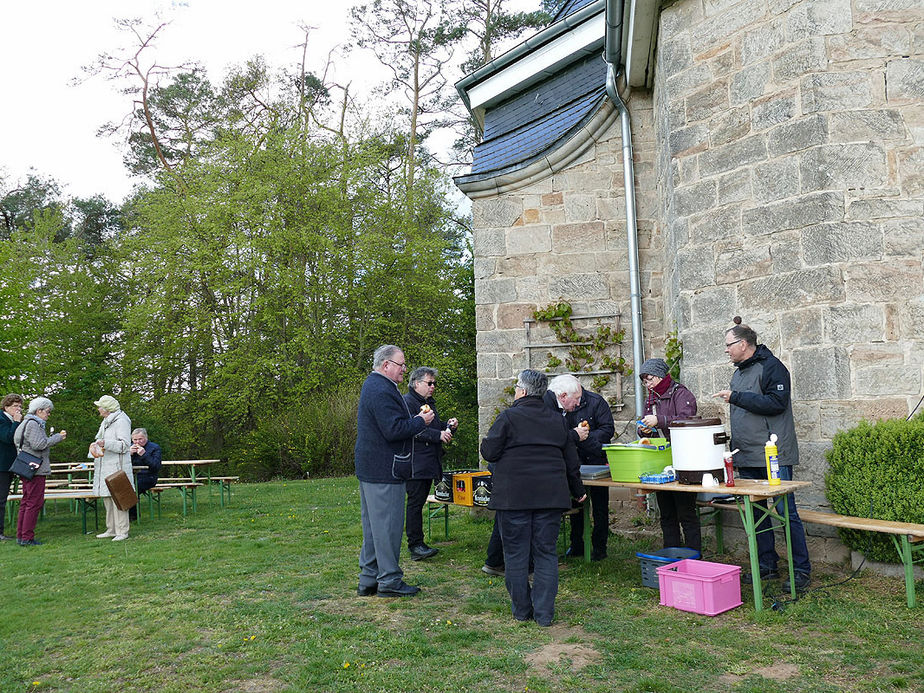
[536, 473]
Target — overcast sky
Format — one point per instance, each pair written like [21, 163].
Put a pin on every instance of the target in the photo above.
[49, 125]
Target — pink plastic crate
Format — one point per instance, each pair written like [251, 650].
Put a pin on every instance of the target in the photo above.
[700, 586]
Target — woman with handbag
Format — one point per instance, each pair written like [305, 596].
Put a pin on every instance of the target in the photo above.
[113, 440]
[31, 439]
[10, 418]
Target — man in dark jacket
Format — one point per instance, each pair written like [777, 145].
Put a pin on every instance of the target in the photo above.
[760, 399]
[428, 451]
[383, 457]
[577, 405]
[10, 418]
[536, 473]
[144, 454]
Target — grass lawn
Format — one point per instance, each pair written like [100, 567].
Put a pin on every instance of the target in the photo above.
[261, 596]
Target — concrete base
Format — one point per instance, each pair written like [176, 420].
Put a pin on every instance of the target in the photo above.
[888, 569]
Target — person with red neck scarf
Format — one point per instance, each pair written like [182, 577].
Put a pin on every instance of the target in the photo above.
[669, 401]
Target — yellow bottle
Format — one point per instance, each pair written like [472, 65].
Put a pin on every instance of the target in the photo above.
[771, 454]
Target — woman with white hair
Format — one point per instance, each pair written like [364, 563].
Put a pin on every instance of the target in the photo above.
[113, 440]
[30, 436]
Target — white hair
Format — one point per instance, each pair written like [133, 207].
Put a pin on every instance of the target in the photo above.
[40, 403]
[565, 384]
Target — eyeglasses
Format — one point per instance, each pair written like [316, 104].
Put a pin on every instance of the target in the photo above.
[430, 383]
[647, 377]
[731, 344]
[402, 366]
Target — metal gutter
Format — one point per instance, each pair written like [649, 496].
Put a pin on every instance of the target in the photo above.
[612, 53]
[529, 45]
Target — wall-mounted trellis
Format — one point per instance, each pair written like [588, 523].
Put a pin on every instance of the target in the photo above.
[599, 357]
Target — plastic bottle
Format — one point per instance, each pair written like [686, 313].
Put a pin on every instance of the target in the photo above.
[773, 463]
[729, 470]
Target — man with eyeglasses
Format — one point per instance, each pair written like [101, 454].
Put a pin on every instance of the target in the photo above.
[760, 403]
[428, 451]
[383, 457]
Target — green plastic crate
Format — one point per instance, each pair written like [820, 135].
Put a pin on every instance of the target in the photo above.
[628, 462]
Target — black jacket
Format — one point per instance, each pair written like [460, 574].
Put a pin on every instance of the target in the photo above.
[536, 465]
[7, 448]
[596, 412]
[428, 448]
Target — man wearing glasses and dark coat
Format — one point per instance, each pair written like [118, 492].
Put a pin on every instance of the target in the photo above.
[428, 451]
[383, 457]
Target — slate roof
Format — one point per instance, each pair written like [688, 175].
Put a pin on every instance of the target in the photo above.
[522, 128]
[569, 7]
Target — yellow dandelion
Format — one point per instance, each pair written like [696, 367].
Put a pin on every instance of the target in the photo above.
[346, 665]
[252, 637]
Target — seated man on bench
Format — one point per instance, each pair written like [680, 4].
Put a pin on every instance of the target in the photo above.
[144, 453]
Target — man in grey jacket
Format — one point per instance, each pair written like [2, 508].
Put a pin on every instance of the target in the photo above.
[760, 403]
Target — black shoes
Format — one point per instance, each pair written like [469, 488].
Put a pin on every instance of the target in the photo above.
[802, 581]
[29, 542]
[765, 574]
[575, 552]
[367, 590]
[597, 555]
[492, 570]
[422, 551]
[402, 590]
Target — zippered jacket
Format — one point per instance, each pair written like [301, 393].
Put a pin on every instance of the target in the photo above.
[761, 404]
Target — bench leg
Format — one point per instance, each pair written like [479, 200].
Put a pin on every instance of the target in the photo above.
[750, 528]
[433, 510]
[903, 546]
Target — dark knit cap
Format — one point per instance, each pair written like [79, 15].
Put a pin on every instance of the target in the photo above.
[655, 367]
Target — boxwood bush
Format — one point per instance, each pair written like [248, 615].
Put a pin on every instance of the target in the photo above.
[877, 470]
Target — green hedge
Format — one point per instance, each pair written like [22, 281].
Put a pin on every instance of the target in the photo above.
[877, 470]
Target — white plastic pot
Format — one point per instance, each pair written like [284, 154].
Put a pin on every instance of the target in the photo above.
[698, 448]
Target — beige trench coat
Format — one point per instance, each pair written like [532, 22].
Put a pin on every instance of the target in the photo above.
[116, 431]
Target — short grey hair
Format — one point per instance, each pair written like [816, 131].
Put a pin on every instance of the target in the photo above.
[420, 373]
[40, 403]
[383, 354]
[140, 432]
[534, 383]
[565, 384]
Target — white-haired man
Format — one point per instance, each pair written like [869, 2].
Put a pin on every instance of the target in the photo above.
[383, 456]
[578, 405]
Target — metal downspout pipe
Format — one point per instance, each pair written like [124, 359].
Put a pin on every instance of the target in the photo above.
[612, 50]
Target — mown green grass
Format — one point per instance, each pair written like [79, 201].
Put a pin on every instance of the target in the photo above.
[260, 596]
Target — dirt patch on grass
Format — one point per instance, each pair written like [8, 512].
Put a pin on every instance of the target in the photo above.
[563, 651]
[264, 685]
[775, 672]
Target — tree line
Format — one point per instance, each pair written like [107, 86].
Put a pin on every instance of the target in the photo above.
[279, 234]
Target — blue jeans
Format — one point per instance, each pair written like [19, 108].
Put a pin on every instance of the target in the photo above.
[766, 541]
[531, 534]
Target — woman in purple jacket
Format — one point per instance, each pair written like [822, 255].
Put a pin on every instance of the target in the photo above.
[669, 401]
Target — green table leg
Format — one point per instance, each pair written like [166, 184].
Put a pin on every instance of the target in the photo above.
[786, 529]
[750, 529]
[586, 511]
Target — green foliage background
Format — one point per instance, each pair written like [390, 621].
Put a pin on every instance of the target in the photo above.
[875, 470]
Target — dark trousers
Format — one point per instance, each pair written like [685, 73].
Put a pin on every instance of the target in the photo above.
[6, 481]
[766, 541]
[145, 482]
[599, 499]
[33, 498]
[530, 534]
[417, 492]
[495, 558]
[678, 509]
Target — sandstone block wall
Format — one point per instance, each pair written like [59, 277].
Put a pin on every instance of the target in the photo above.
[790, 190]
[563, 238]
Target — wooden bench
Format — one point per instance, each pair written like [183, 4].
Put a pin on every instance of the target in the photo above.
[907, 537]
[85, 499]
[224, 484]
[186, 487]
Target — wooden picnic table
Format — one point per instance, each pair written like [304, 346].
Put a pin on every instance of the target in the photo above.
[191, 465]
[85, 498]
[745, 492]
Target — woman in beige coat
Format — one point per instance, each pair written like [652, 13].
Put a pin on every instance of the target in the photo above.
[113, 439]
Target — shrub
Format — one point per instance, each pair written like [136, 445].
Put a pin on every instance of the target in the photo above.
[314, 437]
[876, 470]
